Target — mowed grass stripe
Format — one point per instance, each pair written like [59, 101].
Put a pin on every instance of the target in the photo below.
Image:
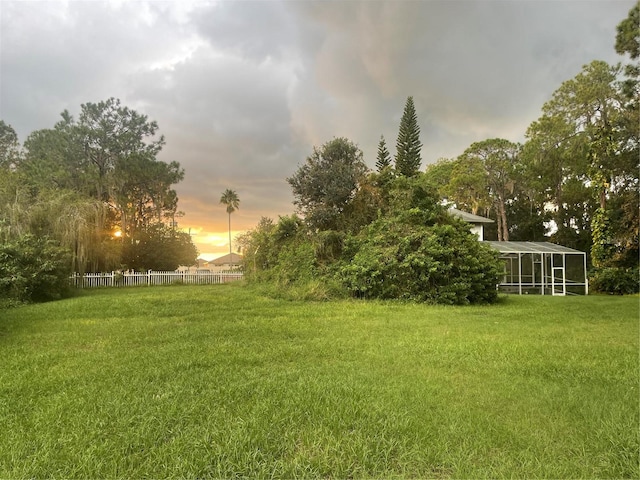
[221, 381]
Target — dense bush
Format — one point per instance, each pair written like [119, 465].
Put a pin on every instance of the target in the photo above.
[440, 263]
[616, 280]
[34, 269]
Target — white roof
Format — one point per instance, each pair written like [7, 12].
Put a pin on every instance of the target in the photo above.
[532, 247]
[469, 217]
[228, 259]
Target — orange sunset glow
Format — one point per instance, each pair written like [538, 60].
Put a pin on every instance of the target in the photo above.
[213, 244]
[208, 222]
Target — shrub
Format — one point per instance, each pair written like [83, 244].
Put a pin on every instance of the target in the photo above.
[616, 280]
[442, 263]
[296, 263]
[34, 269]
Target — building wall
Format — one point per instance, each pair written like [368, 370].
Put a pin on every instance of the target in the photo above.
[478, 229]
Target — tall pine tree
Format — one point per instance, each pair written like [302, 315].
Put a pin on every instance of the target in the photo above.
[408, 146]
[384, 158]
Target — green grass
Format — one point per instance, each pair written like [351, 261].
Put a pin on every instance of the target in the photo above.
[220, 382]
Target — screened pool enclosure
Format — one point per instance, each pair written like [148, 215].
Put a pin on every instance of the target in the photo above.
[542, 268]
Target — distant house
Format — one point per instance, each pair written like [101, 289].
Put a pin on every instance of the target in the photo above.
[476, 221]
[227, 262]
[534, 267]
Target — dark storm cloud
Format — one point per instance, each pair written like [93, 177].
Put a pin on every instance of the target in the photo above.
[474, 68]
[58, 55]
[244, 90]
[252, 30]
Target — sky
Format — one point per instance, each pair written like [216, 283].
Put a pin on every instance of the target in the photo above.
[244, 90]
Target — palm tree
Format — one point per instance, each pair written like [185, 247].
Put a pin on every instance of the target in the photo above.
[231, 200]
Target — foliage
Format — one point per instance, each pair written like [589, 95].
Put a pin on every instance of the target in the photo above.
[324, 187]
[257, 248]
[15, 201]
[143, 193]
[624, 224]
[416, 251]
[408, 145]
[420, 253]
[296, 263]
[602, 248]
[574, 182]
[9, 147]
[232, 201]
[54, 158]
[111, 134]
[498, 158]
[527, 220]
[33, 269]
[84, 179]
[628, 33]
[468, 185]
[615, 280]
[628, 42]
[291, 254]
[439, 174]
[583, 153]
[61, 214]
[486, 179]
[383, 159]
[158, 248]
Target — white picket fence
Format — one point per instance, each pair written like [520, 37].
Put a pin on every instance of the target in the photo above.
[130, 279]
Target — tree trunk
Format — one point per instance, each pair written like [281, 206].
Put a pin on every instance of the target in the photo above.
[503, 216]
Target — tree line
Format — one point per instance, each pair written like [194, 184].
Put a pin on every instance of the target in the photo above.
[575, 178]
[370, 234]
[88, 194]
[574, 181]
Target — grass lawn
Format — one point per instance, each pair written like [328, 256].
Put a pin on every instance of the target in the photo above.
[220, 381]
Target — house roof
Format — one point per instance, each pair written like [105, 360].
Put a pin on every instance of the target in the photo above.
[469, 217]
[228, 259]
[531, 247]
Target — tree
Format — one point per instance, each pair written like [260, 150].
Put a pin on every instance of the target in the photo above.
[105, 166]
[628, 34]
[110, 133]
[9, 146]
[628, 42]
[256, 247]
[54, 158]
[438, 174]
[142, 192]
[498, 158]
[579, 149]
[325, 186]
[408, 145]
[467, 187]
[159, 247]
[231, 200]
[74, 222]
[383, 159]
